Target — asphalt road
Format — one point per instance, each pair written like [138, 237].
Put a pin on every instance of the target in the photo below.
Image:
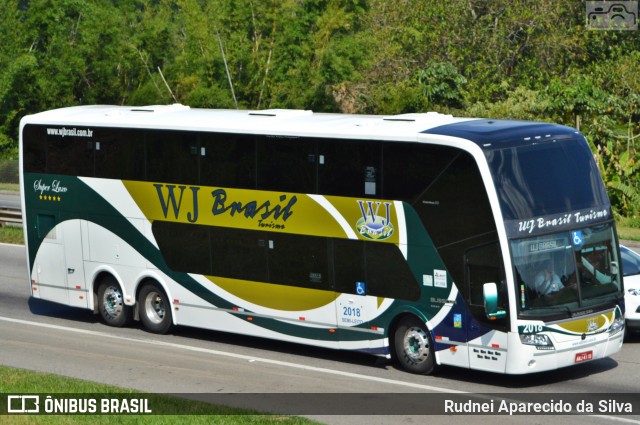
[9, 199]
[48, 337]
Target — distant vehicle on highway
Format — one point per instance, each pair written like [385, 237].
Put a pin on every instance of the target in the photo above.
[631, 271]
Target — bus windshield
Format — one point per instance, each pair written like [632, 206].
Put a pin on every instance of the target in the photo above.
[524, 174]
[565, 274]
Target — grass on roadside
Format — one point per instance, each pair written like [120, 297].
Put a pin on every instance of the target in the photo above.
[629, 233]
[10, 234]
[11, 187]
[628, 228]
[19, 381]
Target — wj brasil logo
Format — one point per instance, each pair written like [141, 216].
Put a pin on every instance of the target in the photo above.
[372, 225]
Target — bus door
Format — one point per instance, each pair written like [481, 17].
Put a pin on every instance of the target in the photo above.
[58, 269]
[487, 336]
[74, 262]
[360, 270]
[356, 309]
[48, 278]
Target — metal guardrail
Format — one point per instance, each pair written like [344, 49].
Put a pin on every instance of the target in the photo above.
[10, 217]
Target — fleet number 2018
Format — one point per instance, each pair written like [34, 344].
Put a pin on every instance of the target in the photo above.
[351, 311]
[532, 329]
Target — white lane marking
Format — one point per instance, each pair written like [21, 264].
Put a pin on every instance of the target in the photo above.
[616, 419]
[277, 362]
[234, 355]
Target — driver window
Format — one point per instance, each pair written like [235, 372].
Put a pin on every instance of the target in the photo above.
[598, 270]
[483, 264]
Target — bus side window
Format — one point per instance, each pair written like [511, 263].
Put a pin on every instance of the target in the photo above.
[35, 149]
[349, 168]
[70, 156]
[228, 160]
[119, 154]
[172, 157]
[297, 260]
[348, 264]
[409, 168]
[381, 266]
[286, 165]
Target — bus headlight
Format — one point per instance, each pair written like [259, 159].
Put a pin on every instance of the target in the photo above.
[540, 341]
[616, 326]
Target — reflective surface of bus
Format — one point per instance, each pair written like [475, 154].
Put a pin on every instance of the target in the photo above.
[425, 238]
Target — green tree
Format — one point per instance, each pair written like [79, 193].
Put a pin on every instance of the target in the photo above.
[17, 77]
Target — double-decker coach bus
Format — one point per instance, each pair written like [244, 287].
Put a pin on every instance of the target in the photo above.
[433, 240]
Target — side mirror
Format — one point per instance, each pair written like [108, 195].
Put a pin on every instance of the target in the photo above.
[490, 296]
[614, 268]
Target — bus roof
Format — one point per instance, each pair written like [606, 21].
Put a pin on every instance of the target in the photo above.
[488, 134]
[284, 122]
[496, 134]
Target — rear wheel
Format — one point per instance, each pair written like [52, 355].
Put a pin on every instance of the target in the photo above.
[113, 310]
[414, 347]
[154, 308]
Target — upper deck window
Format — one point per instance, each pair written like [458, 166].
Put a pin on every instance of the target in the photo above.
[542, 179]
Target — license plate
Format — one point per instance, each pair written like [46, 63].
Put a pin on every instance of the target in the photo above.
[583, 357]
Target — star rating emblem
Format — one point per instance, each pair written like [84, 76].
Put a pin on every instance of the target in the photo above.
[50, 198]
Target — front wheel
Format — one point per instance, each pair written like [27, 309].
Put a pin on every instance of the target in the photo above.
[155, 309]
[113, 310]
[413, 347]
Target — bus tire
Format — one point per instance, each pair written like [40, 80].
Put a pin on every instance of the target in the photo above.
[413, 346]
[154, 309]
[111, 306]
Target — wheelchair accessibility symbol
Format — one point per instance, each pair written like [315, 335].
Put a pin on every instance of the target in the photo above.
[576, 237]
[361, 288]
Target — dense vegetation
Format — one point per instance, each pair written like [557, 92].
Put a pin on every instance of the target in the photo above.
[493, 58]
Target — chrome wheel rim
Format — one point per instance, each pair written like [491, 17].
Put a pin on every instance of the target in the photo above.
[154, 307]
[112, 302]
[416, 344]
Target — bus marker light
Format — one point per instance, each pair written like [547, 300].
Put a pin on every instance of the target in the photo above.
[495, 345]
[81, 297]
[175, 301]
[78, 287]
[301, 318]
[374, 328]
[332, 331]
[453, 349]
[35, 288]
